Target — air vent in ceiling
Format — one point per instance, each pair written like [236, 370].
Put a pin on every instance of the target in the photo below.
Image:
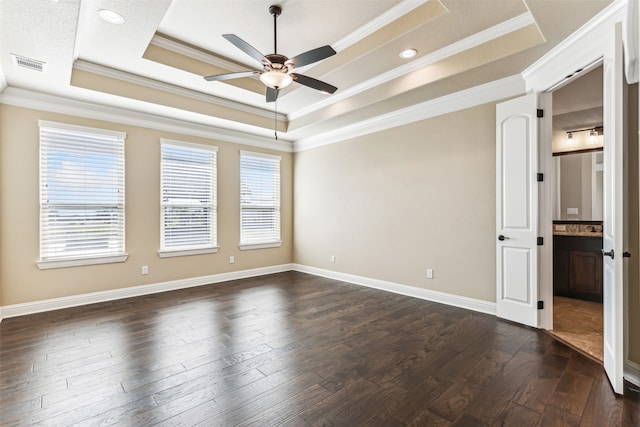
[32, 64]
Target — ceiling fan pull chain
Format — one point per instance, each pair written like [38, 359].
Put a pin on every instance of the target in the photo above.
[275, 119]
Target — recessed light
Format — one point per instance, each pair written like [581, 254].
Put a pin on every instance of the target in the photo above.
[408, 53]
[111, 17]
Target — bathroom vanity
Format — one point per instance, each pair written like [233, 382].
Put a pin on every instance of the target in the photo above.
[577, 259]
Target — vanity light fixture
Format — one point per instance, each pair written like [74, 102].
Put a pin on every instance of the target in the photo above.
[570, 141]
[111, 16]
[594, 133]
[408, 53]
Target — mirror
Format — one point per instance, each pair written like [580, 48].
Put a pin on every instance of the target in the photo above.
[579, 187]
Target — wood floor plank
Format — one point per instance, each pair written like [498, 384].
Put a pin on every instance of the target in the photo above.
[631, 406]
[572, 392]
[294, 349]
[537, 389]
[302, 385]
[556, 417]
[493, 399]
[427, 418]
[363, 410]
[517, 416]
[322, 412]
[603, 409]
[415, 400]
[284, 410]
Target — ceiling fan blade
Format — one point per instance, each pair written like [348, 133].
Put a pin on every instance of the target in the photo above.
[311, 56]
[230, 76]
[246, 48]
[313, 83]
[272, 94]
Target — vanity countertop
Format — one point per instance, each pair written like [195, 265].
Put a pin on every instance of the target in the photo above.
[578, 233]
[573, 229]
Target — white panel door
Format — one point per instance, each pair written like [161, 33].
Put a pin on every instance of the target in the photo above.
[613, 211]
[517, 210]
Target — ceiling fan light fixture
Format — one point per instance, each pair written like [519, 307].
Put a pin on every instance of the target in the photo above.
[111, 16]
[276, 79]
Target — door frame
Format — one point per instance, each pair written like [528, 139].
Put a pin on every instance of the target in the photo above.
[587, 45]
[545, 274]
[547, 194]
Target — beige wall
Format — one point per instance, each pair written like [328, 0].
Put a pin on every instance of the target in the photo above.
[387, 206]
[392, 204]
[21, 280]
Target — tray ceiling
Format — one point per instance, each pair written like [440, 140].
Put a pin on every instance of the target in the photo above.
[154, 62]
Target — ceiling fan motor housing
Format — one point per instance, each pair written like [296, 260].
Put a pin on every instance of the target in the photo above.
[275, 10]
[278, 63]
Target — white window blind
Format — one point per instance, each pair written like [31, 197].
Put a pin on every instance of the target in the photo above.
[188, 188]
[81, 192]
[259, 199]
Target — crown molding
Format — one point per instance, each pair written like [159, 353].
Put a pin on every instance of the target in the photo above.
[478, 95]
[585, 46]
[173, 89]
[378, 23]
[57, 104]
[499, 30]
[192, 52]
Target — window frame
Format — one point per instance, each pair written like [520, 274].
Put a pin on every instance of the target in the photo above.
[165, 252]
[49, 261]
[250, 245]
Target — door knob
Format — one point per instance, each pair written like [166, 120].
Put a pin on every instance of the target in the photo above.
[610, 253]
[501, 237]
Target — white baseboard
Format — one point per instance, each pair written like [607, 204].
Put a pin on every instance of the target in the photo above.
[397, 288]
[115, 294]
[632, 372]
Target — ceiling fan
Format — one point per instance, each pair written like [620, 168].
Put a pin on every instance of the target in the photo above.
[276, 73]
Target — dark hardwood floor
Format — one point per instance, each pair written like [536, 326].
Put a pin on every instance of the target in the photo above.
[295, 350]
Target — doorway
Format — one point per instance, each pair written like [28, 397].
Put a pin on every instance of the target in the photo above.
[577, 144]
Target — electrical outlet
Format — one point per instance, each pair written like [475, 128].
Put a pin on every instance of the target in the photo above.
[232, 260]
[145, 269]
[429, 273]
[333, 258]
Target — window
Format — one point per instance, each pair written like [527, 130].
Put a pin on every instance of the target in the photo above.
[259, 200]
[188, 188]
[81, 195]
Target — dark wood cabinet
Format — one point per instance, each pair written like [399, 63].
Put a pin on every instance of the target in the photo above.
[577, 267]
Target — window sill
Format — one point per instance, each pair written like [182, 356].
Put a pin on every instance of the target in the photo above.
[187, 252]
[251, 246]
[64, 263]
